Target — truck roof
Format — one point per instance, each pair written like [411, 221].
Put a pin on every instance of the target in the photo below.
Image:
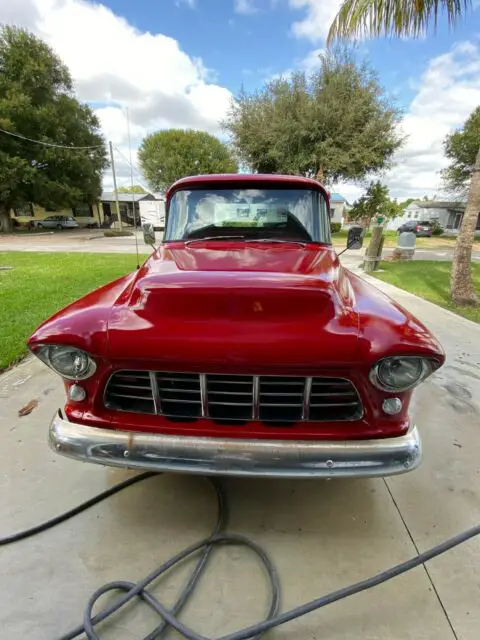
[245, 179]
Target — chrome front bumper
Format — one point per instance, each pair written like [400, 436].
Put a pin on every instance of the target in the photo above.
[235, 456]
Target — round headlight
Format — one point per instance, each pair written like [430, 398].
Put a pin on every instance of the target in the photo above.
[69, 362]
[400, 373]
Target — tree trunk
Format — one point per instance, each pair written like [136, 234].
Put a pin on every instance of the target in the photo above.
[462, 289]
[6, 224]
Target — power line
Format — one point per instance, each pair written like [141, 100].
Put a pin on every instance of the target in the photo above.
[49, 144]
[136, 171]
[134, 166]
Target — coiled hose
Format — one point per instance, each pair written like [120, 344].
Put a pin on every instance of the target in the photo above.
[169, 617]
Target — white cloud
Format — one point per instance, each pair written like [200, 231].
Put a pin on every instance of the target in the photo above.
[447, 92]
[19, 12]
[114, 65]
[245, 7]
[319, 16]
[311, 62]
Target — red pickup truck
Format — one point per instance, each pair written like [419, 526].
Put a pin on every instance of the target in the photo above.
[242, 346]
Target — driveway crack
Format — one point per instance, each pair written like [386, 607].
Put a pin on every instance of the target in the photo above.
[429, 577]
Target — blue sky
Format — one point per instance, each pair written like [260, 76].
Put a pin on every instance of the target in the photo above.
[252, 45]
[178, 63]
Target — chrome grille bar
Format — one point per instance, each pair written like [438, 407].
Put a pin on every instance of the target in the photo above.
[307, 390]
[155, 393]
[231, 398]
[256, 398]
[204, 395]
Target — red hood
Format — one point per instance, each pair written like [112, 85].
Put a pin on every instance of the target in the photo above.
[237, 303]
[235, 306]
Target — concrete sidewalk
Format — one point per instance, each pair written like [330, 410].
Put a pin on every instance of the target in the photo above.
[322, 535]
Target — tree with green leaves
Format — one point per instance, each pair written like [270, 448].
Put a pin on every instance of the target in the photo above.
[406, 203]
[461, 148]
[166, 156]
[136, 188]
[43, 125]
[335, 124]
[412, 18]
[357, 18]
[375, 202]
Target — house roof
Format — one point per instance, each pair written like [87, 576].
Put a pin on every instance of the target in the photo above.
[440, 204]
[109, 196]
[337, 197]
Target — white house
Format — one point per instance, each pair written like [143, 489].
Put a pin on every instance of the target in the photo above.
[448, 214]
[338, 207]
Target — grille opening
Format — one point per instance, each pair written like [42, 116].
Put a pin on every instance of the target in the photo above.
[281, 399]
[179, 394]
[229, 397]
[130, 391]
[234, 400]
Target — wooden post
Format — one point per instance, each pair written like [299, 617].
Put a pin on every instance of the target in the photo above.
[373, 253]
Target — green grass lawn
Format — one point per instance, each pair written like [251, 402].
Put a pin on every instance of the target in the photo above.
[41, 283]
[430, 280]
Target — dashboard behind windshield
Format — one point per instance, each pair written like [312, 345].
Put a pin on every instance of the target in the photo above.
[282, 214]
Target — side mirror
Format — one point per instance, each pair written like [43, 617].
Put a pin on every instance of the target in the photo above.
[148, 233]
[355, 237]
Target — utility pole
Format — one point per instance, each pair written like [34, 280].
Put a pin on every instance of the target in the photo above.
[131, 185]
[112, 160]
[373, 254]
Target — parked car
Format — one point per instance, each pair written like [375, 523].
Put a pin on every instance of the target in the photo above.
[242, 346]
[424, 229]
[58, 222]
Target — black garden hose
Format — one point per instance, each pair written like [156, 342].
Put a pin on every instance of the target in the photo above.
[169, 617]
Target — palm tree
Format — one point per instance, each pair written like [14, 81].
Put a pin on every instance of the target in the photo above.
[393, 17]
[412, 18]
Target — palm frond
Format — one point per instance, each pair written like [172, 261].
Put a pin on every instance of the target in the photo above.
[362, 18]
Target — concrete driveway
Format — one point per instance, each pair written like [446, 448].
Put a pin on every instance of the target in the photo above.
[322, 535]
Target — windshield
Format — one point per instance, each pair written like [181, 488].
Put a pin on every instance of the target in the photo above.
[284, 214]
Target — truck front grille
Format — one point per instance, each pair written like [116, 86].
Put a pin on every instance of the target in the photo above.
[226, 398]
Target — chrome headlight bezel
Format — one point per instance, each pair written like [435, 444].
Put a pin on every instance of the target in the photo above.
[427, 367]
[45, 353]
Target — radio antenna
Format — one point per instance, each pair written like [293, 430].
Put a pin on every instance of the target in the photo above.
[132, 185]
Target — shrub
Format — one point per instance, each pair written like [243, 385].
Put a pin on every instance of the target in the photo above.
[437, 229]
[111, 233]
[335, 227]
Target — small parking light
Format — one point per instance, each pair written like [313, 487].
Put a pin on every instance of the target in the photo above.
[77, 393]
[392, 406]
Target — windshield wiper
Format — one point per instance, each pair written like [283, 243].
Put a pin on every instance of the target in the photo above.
[303, 243]
[214, 238]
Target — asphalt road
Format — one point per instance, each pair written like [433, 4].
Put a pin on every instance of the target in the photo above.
[93, 241]
[322, 535]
